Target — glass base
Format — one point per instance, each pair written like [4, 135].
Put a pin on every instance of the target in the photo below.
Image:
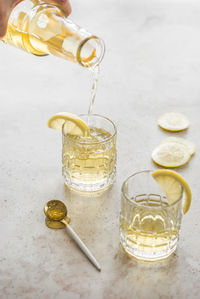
[98, 186]
[146, 255]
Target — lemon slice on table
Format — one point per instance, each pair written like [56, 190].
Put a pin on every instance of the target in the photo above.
[173, 184]
[171, 154]
[173, 122]
[74, 124]
[191, 146]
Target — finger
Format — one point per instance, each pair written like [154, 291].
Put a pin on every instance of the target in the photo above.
[3, 30]
[3, 23]
[5, 10]
[68, 8]
[65, 5]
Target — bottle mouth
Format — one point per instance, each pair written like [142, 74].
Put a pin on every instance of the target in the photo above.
[91, 51]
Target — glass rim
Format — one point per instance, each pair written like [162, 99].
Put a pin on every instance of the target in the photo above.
[79, 141]
[140, 205]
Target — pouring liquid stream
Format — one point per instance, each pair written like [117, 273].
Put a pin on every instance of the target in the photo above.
[95, 74]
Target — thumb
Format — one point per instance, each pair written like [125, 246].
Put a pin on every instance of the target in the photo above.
[65, 5]
[5, 10]
[3, 23]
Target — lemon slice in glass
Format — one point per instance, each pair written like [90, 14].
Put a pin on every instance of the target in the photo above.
[173, 185]
[173, 122]
[171, 154]
[191, 146]
[74, 125]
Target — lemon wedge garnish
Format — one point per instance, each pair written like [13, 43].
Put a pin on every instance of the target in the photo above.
[191, 146]
[173, 122]
[74, 124]
[173, 185]
[171, 154]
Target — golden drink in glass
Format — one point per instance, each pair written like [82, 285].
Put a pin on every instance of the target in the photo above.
[149, 227]
[89, 163]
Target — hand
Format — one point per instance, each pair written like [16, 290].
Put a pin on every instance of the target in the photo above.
[6, 7]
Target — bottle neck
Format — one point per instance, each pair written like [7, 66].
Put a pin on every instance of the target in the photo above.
[90, 51]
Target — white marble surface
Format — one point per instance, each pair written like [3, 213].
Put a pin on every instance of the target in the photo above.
[152, 66]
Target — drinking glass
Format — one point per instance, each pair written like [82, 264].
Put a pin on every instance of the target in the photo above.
[89, 163]
[149, 226]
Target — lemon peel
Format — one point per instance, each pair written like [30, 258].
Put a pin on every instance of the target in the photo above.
[173, 122]
[174, 186]
[74, 124]
[191, 146]
[171, 154]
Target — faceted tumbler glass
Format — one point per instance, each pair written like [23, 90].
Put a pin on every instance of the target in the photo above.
[149, 226]
[89, 163]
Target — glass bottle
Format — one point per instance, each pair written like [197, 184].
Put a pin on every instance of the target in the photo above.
[42, 28]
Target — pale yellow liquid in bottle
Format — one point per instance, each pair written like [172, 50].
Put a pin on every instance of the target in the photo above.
[45, 32]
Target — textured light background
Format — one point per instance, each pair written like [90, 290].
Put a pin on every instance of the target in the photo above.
[152, 66]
